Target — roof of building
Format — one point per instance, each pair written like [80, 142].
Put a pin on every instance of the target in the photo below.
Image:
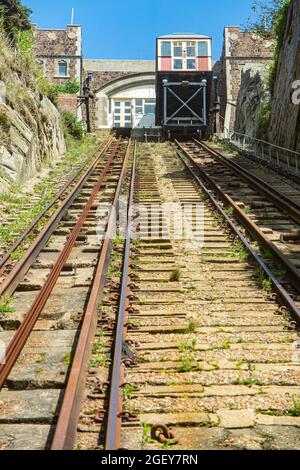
[184, 35]
[132, 66]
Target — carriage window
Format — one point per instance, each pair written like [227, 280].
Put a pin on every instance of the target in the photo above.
[191, 64]
[166, 49]
[178, 50]
[191, 49]
[177, 64]
[203, 49]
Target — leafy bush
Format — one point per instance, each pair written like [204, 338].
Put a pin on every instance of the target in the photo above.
[279, 30]
[4, 122]
[15, 17]
[71, 86]
[71, 126]
[264, 120]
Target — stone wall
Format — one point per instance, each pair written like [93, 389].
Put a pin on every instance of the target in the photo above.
[53, 46]
[242, 51]
[30, 126]
[29, 141]
[285, 120]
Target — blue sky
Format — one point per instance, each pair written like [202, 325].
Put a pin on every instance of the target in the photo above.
[126, 29]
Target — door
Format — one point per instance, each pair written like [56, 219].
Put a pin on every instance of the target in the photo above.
[122, 113]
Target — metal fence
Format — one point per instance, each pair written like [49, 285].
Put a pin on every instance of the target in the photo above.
[277, 157]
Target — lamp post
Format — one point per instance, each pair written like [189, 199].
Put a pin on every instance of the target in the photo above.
[87, 95]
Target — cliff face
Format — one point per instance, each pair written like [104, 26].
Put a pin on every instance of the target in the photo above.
[285, 120]
[30, 125]
[253, 95]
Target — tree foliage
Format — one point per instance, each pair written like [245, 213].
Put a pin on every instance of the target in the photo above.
[14, 17]
[266, 13]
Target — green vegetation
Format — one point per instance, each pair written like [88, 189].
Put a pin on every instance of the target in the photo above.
[240, 251]
[279, 25]
[294, 411]
[191, 328]
[14, 17]
[71, 126]
[4, 122]
[175, 275]
[6, 305]
[71, 87]
[13, 202]
[186, 346]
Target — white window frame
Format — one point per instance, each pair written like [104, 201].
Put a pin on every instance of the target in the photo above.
[184, 57]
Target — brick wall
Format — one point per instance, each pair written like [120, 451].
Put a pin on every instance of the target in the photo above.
[68, 102]
[241, 51]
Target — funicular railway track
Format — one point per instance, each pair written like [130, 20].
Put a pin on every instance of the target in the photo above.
[52, 305]
[195, 353]
[188, 346]
[271, 217]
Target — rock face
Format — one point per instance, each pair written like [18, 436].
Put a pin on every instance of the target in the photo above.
[25, 142]
[253, 94]
[285, 120]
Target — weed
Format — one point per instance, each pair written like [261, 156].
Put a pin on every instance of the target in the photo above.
[295, 410]
[128, 391]
[240, 251]
[191, 328]
[229, 211]
[183, 347]
[68, 359]
[175, 275]
[147, 434]
[41, 358]
[18, 254]
[6, 305]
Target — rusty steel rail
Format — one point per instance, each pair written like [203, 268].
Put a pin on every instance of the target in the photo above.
[281, 200]
[115, 407]
[12, 281]
[292, 272]
[286, 299]
[19, 340]
[65, 432]
[5, 258]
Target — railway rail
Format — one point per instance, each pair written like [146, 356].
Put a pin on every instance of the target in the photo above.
[66, 185]
[165, 344]
[270, 217]
[60, 292]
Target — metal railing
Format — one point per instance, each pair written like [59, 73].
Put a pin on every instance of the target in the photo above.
[278, 157]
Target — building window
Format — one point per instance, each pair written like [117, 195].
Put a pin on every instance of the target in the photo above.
[139, 106]
[63, 69]
[149, 107]
[203, 49]
[166, 49]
